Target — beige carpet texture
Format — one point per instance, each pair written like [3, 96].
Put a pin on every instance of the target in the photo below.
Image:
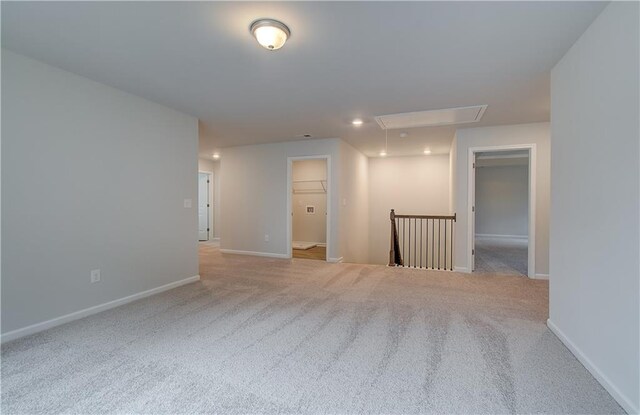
[259, 335]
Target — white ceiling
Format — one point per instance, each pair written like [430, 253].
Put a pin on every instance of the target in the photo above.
[343, 60]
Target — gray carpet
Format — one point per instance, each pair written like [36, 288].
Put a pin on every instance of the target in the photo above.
[274, 336]
[501, 256]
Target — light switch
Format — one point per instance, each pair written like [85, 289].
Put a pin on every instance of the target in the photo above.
[187, 203]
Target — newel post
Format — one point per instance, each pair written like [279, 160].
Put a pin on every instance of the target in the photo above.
[392, 250]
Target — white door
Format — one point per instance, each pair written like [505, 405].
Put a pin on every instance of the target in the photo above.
[203, 206]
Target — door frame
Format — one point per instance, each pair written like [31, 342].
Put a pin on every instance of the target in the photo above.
[471, 198]
[210, 215]
[289, 213]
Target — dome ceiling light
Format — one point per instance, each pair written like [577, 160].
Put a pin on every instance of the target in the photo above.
[270, 34]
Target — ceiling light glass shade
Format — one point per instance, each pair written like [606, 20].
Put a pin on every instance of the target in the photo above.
[271, 34]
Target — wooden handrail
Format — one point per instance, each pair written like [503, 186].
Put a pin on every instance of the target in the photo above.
[452, 217]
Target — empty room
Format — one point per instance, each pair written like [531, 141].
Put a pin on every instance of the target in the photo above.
[320, 207]
[502, 212]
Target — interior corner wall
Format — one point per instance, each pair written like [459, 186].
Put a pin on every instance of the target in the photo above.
[354, 204]
[453, 163]
[92, 178]
[535, 133]
[410, 185]
[595, 194]
[213, 166]
[254, 195]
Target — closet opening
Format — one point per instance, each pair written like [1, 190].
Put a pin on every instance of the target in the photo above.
[308, 216]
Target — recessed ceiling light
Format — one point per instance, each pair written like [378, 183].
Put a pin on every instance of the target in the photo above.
[216, 156]
[427, 151]
[269, 33]
[357, 122]
[404, 135]
[383, 153]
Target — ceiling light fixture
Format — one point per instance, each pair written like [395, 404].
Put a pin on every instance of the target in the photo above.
[383, 153]
[269, 33]
[216, 156]
[357, 122]
[427, 151]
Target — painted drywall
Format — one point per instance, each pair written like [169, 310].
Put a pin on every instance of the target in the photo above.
[92, 178]
[353, 204]
[309, 227]
[536, 133]
[502, 200]
[453, 163]
[254, 196]
[214, 167]
[410, 185]
[594, 280]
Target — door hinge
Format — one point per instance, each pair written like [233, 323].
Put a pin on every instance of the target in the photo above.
[207, 229]
[207, 205]
[473, 208]
[207, 180]
[473, 252]
[474, 165]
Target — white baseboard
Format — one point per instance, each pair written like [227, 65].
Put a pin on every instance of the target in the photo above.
[541, 276]
[335, 260]
[462, 269]
[496, 236]
[38, 327]
[625, 402]
[254, 253]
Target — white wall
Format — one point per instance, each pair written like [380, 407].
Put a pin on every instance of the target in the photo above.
[254, 198]
[213, 166]
[594, 284]
[354, 204]
[309, 227]
[536, 133]
[92, 177]
[254, 195]
[502, 200]
[453, 176]
[410, 185]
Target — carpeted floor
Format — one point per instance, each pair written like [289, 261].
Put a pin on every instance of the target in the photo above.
[501, 256]
[263, 335]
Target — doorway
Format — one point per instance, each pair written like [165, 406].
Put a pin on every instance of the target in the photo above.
[205, 217]
[502, 210]
[308, 207]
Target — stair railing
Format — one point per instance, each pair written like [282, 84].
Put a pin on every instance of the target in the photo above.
[422, 241]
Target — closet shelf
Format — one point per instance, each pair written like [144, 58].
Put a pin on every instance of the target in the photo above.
[310, 186]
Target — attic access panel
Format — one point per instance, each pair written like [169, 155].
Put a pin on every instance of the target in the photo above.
[432, 118]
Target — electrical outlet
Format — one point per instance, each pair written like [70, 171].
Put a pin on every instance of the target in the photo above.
[266, 238]
[95, 275]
